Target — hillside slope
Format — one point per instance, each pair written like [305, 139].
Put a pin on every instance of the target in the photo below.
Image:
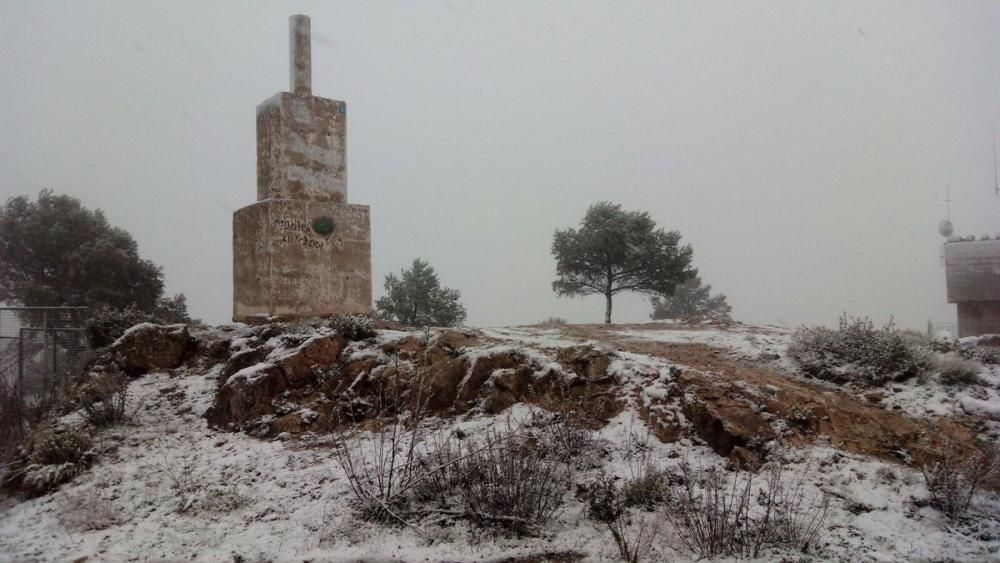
[234, 454]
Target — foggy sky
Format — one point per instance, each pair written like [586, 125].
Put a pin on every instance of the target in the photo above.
[802, 148]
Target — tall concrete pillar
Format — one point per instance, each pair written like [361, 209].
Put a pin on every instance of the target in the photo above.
[301, 251]
[300, 54]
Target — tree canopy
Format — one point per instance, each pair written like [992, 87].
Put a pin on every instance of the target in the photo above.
[693, 301]
[616, 250]
[416, 298]
[56, 252]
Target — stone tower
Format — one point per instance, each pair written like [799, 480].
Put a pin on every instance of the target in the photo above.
[301, 250]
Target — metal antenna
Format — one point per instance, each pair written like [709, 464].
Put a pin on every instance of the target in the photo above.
[996, 185]
[947, 200]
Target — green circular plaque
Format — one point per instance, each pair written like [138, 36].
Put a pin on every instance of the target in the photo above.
[322, 225]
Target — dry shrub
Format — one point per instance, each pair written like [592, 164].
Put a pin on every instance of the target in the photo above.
[104, 398]
[565, 436]
[508, 484]
[502, 482]
[648, 488]
[716, 515]
[13, 419]
[953, 480]
[383, 473]
[633, 537]
[94, 508]
[955, 370]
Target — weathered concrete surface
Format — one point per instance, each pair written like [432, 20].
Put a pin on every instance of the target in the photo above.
[301, 147]
[300, 54]
[976, 318]
[301, 250]
[283, 268]
[972, 272]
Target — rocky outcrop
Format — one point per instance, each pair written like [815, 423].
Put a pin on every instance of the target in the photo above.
[252, 391]
[148, 347]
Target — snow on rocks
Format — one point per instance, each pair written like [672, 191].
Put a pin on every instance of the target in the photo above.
[173, 487]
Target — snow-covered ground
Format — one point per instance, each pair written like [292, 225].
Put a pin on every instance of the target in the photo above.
[169, 487]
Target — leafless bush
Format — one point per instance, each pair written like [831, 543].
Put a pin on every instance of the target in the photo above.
[13, 419]
[508, 484]
[104, 398]
[178, 468]
[564, 436]
[382, 472]
[953, 480]
[608, 505]
[94, 508]
[717, 515]
[22, 406]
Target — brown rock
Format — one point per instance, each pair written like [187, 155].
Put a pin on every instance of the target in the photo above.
[725, 422]
[443, 380]
[147, 347]
[247, 394]
[481, 370]
[301, 364]
[585, 361]
[242, 360]
[509, 386]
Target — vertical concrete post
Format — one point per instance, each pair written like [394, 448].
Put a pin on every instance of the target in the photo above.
[300, 54]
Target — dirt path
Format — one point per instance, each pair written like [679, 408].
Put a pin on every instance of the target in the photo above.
[734, 404]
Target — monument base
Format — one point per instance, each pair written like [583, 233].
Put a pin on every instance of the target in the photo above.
[301, 259]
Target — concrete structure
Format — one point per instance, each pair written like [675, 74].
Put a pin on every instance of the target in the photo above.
[972, 272]
[301, 250]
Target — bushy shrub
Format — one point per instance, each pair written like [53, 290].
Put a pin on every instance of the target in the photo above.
[353, 327]
[955, 370]
[554, 321]
[858, 353]
[649, 488]
[53, 457]
[106, 325]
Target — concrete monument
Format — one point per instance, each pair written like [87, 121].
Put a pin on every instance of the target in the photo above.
[301, 250]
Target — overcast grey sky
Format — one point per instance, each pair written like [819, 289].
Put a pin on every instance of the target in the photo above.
[802, 148]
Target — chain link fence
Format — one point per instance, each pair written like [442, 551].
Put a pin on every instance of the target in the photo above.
[934, 327]
[40, 347]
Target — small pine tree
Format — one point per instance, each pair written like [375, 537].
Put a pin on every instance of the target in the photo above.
[416, 298]
[692, 301]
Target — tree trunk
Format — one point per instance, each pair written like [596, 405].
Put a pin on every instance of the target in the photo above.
[607, 309]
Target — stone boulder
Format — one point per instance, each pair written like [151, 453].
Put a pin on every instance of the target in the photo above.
[301, 364]
[247, 394]
[148, 347]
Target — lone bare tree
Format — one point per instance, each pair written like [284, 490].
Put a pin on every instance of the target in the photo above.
[616, 250]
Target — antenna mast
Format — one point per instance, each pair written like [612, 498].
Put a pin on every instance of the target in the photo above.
[996, 185]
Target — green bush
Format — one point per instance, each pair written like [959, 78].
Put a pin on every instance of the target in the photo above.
[858, 353]
[107, 325]
[54, 457]
[353, 327]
